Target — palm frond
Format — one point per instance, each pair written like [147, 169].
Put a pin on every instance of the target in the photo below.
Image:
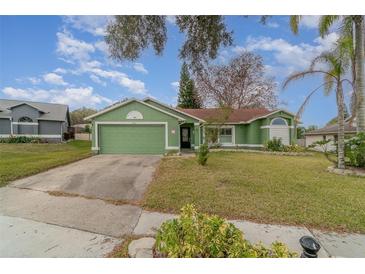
[298, 76]
[306, 101]
[325, 23]
[294, 23]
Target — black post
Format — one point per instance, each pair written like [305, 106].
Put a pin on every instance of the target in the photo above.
[310, 247]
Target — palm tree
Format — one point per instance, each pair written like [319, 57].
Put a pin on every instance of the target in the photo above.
[333, 79]
[352, 27]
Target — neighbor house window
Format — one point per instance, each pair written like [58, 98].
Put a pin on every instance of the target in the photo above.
[25, 119]
[279, 122]
[225, 135]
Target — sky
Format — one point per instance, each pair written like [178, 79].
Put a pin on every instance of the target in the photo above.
[64, 59]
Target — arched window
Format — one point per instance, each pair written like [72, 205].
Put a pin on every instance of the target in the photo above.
[25, 119]
[279, 122]
[134, 115]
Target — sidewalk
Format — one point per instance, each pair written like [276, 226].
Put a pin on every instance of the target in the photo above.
[332, 244]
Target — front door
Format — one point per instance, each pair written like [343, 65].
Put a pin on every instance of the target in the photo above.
[185, 137]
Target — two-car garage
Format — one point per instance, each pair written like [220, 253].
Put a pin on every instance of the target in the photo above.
[132, 138]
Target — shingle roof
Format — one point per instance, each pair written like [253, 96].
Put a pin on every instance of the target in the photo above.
[53, 112]
[236, 116]
[349, 128]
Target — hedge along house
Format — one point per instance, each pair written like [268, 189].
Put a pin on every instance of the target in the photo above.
[151, 127]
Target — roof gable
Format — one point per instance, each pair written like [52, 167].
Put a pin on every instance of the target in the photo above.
[121, 104]
[52, 112]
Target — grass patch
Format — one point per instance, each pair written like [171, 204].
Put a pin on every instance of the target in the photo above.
[21, 160]
[263, 188]
[121, 250]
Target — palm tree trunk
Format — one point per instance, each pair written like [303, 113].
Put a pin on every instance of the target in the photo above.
[341, 127]
[359, 67]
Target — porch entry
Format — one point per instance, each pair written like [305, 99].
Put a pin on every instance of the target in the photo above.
[185, 137]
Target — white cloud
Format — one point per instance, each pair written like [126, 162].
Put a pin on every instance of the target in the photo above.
[60, 71]
[135, 86]
[310, 21]
[79, 52]
[97, 80]
[272, 25]
[26, 94]
[34, 80]
[175, 85]
[289, 56]
[74, 97]
[69, 47]
[94, 24]
[140, 68]
[102, 46]
[171, 19]
[79, 97]
[55, 79]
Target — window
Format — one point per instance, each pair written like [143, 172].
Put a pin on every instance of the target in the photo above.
[225, 135]
[25, 119]
[279, 122]
[226, 132]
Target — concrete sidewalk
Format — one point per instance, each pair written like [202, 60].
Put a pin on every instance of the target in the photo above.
[22, 238]
[333, 244]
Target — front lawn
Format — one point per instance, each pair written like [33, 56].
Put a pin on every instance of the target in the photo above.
[264, 188]
[20, 160]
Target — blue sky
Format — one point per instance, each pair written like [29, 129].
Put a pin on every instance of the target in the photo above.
[64, 60]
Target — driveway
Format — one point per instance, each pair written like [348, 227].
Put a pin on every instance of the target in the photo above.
[108, 177]
[84, 212]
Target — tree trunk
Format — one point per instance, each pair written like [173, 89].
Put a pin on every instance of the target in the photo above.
[359, 67]
[341, 127]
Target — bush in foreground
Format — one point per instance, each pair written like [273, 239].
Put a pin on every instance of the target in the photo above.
[355, 150]
[202, 155]
[197, 235]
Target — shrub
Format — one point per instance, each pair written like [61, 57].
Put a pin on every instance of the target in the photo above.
[355, 150]
[20, 140]
[294, 148]
[275, 145]
[197, 235]
[202, 155]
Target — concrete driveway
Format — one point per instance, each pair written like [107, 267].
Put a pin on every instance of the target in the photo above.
[108, 177]
[44, 225]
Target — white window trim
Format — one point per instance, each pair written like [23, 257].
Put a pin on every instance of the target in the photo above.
[276, 118]
[25, 123]
[263, 127]
[250, 145]
[233, 136]
[97, 123]
[233, 143]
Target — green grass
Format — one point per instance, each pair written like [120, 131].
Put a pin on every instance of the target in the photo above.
[293, 190]
[21, 160]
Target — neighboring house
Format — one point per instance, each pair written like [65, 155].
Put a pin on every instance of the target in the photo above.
[151, 127]
[33, 119]
[329, 133]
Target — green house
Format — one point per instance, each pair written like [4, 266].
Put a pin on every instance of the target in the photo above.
[151, 127]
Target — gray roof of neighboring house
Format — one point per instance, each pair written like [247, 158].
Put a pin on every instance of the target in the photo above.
[51, 112]
[333, 129]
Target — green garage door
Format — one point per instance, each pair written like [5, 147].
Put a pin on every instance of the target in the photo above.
[132, 139]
